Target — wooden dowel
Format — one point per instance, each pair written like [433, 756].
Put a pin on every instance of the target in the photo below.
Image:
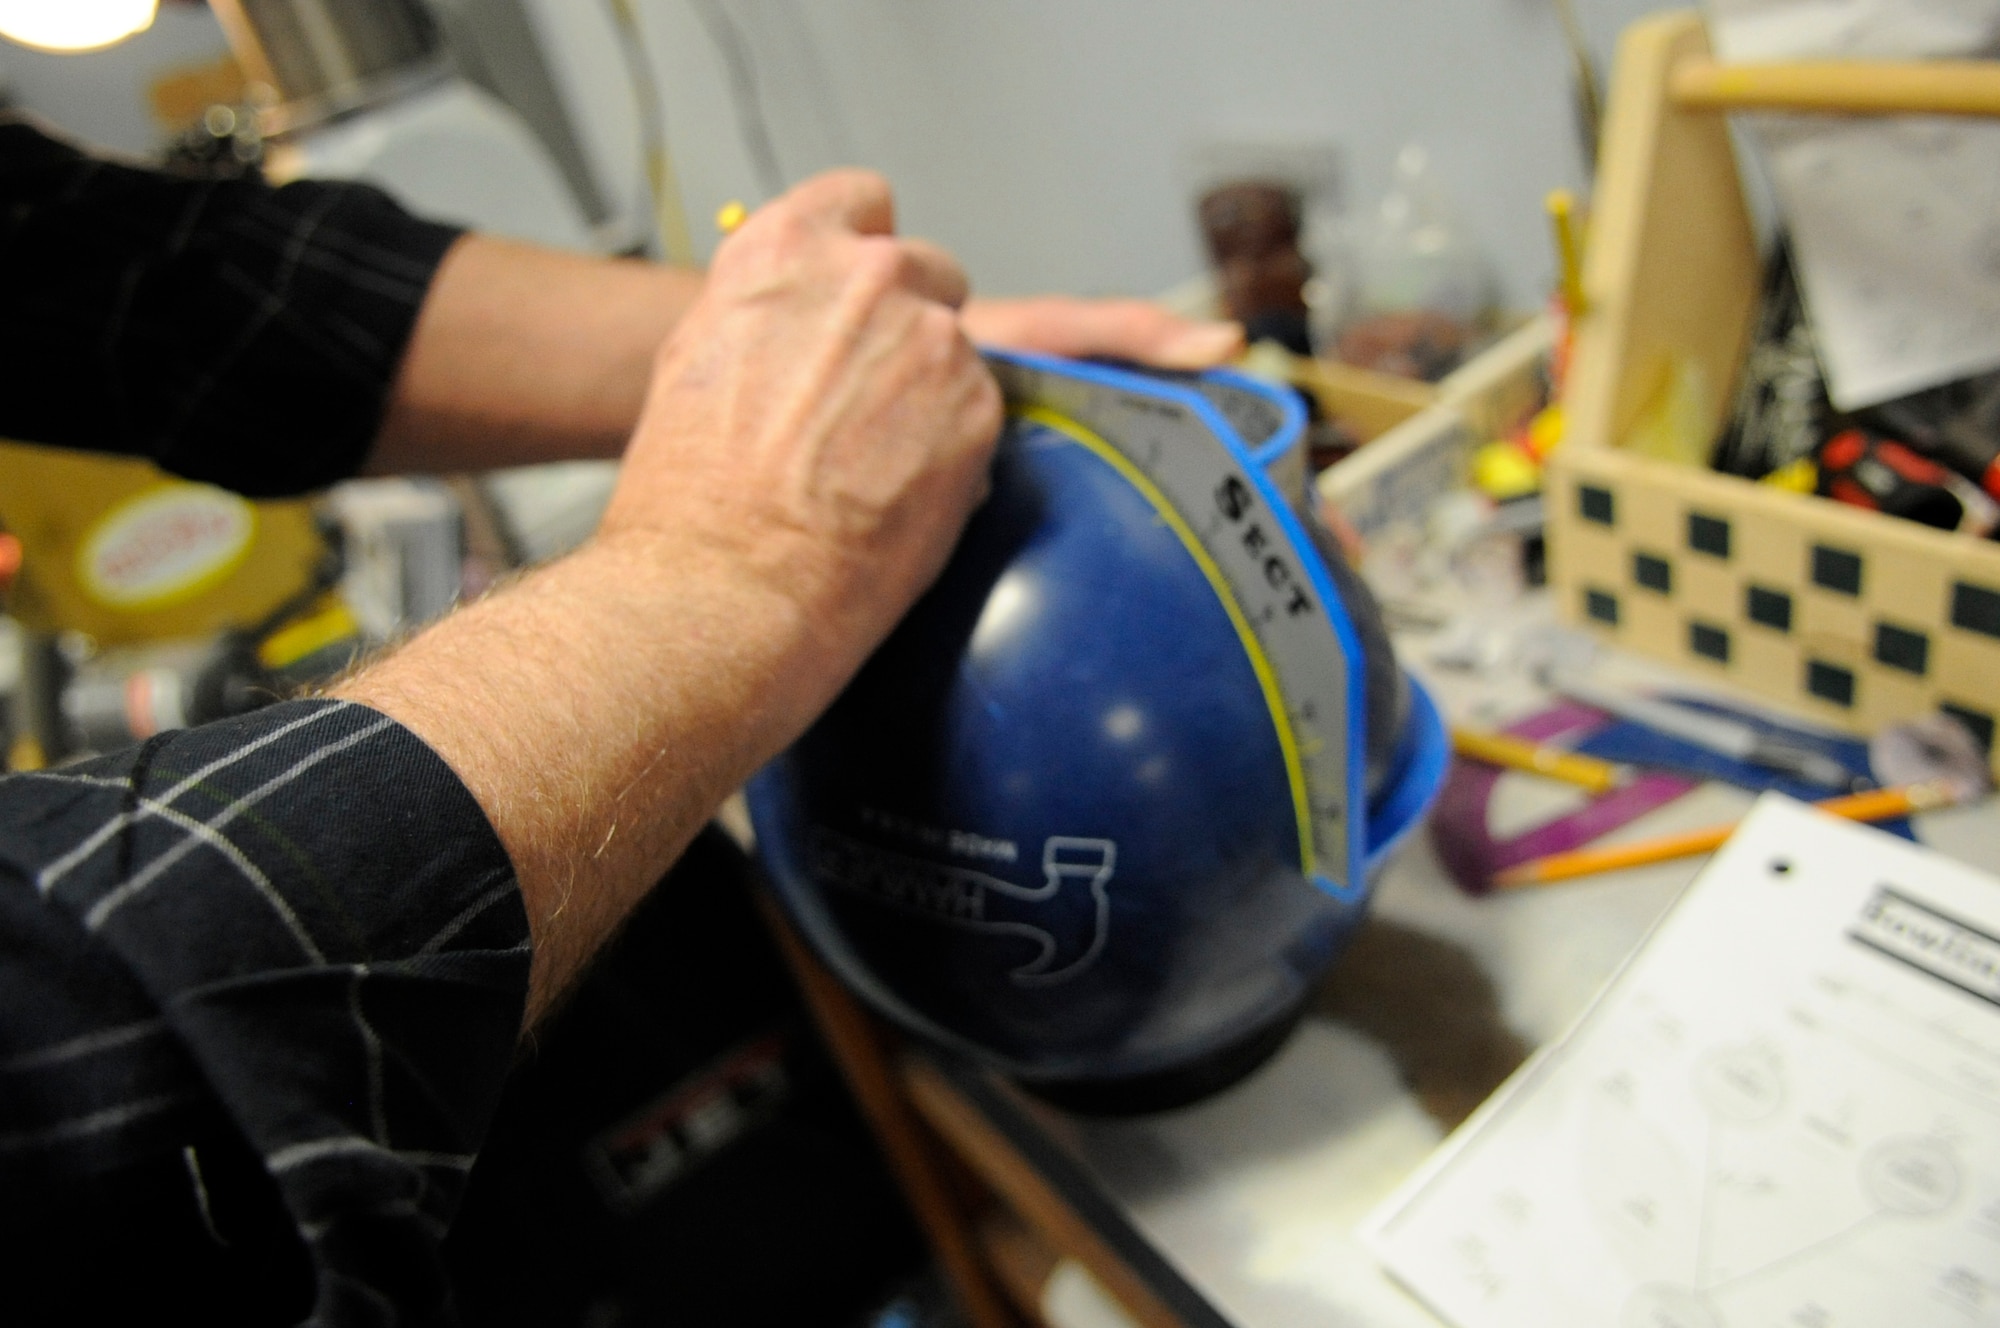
[1841, 87]
[914, 1157]
[1028, 1192]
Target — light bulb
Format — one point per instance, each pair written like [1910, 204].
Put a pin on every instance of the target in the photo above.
[74, 25]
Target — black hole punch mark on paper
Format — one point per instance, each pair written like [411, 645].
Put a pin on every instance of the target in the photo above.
[1602, 606]
[1900, 648]
[1830, 682]
[1708, 641]
[1836, 569]
[1977, 722]
[1595, 504]
[1653, 573]
[1772, 608]
[1708, 534]
[1975, 608]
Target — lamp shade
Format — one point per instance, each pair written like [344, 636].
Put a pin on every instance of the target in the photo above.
[74, 25]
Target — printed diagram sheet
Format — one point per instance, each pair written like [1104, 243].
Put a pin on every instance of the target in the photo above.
[1785, 1111]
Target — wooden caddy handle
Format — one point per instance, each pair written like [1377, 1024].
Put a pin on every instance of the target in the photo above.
[1841, 87]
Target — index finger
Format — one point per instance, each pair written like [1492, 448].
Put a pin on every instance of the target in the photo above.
[1124, 329]
[858, 200]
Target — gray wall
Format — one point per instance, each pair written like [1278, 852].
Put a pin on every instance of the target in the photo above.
[1048, 141]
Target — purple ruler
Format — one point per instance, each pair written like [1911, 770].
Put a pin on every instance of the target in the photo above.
[1466, 844]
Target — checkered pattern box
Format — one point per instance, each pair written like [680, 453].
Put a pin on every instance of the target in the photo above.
[1841, 615]
[1849, 618]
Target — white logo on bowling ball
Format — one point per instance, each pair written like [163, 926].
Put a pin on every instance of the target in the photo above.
[976, 901]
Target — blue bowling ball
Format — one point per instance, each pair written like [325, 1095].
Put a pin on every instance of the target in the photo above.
[1050, 823]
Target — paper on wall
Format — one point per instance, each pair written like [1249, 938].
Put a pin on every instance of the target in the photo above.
[1784, 1110]
[1895, 221]
[1852, 29]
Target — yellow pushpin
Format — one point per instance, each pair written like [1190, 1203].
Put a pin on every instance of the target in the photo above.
[730, 215]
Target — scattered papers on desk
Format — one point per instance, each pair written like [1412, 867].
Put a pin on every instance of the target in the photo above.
[1895, 221]
[1784, 1110]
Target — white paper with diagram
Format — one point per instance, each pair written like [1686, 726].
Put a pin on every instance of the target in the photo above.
[1785, 1110]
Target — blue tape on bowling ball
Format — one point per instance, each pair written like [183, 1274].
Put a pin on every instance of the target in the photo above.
[1105, 801]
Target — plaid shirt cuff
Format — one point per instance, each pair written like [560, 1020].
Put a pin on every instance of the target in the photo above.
[317, 915]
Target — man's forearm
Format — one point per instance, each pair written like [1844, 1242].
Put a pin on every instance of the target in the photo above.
[599, 711]
[524, 354]
[815, 433]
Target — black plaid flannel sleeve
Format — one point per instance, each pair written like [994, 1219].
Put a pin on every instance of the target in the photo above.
[229, 331]
[261, 983]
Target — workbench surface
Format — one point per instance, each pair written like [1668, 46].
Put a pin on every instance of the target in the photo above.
[1254, 1195]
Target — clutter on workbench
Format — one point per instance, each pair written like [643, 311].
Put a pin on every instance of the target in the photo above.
[1346, 407]
[1252, 231]
[1927, 457]
[151, 602]
[1384, 445]
[1255, 227]
[1869, 805]
[1409, 343]
[1457, 578]
[1890, 218]
[1268, 212]
[1368, 351]
[1634, 739]
[1510, 466]
[1779, 1110]
[1426, 290]
[1507, 466]
[1666, 763]
[1760, 747]
[1509, 752]
[1835, 609]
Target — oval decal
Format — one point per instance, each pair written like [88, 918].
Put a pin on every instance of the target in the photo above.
[166, 545]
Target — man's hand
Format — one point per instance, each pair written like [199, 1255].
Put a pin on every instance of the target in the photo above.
[814, 428]
[819, 418]
[816, 432]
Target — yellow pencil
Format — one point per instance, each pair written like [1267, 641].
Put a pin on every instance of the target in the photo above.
[1505, 749]
[1874, 805]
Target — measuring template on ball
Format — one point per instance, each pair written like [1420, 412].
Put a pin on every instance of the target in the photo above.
[1785, 1110]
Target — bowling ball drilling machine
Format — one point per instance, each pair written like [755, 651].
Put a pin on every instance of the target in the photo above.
[1107, 803]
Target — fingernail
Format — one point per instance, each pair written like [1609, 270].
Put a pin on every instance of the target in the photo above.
[1204, 344]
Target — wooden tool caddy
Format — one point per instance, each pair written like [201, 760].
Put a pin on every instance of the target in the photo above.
[1841, 615]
